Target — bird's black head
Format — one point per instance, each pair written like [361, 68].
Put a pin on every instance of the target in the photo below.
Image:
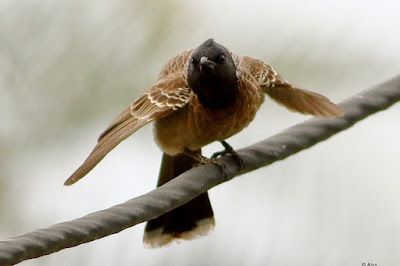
[212, 75]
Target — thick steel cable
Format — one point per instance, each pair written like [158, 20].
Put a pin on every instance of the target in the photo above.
[196, 181]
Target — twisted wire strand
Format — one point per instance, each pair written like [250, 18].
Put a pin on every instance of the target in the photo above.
[196, 181]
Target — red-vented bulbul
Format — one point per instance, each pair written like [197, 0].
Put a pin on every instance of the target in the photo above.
[200, 96]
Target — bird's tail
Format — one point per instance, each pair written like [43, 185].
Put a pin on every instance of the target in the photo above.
[191, 220]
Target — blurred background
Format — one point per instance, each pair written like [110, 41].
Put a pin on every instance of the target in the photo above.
[68, 67]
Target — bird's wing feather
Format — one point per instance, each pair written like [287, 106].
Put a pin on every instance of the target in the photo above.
[288, 95]
[167, 95]
[177, 64]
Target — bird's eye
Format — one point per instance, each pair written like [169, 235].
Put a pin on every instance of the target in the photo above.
[193, 61]
[221, 59]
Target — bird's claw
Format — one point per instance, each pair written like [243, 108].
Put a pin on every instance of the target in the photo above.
[229, 150]
[215, 161]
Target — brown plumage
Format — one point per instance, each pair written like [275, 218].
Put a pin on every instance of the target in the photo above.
[200, 96]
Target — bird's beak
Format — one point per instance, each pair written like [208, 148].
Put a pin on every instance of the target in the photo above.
[206, 64]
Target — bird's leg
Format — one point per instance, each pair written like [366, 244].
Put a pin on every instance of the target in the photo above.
[204, 160]
[231, 151]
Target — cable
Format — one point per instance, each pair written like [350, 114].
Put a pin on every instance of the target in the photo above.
[188, 185]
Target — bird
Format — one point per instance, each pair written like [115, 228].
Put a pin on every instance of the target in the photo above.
[202, 95]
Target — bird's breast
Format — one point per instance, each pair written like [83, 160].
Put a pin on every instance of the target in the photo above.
[196, 125]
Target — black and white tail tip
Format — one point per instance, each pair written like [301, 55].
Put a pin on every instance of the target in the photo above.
[158, 238]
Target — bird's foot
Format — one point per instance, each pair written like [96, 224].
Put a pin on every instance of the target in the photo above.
[204, 160]
[215, 161]
[229, 150]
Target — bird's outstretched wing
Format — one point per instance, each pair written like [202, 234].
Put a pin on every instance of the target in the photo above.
[170, 93]
[288, 95]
